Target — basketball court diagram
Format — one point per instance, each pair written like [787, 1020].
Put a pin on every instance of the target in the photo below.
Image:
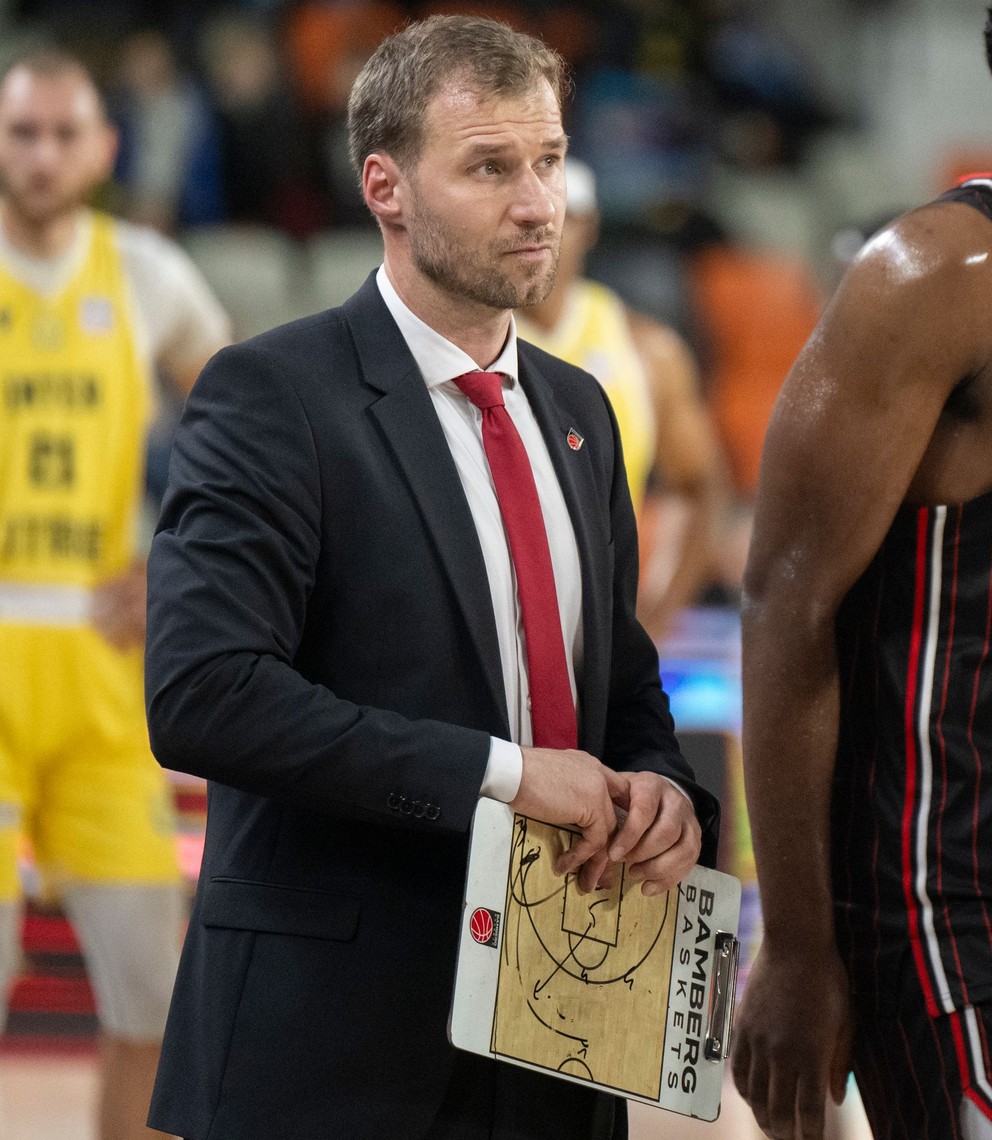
[584, 977]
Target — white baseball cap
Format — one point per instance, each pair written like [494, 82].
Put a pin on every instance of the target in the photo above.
[580, 183]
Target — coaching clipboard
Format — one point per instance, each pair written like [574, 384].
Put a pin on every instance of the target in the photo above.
[631, 994]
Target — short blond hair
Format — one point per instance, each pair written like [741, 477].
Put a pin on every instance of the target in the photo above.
[388, 103]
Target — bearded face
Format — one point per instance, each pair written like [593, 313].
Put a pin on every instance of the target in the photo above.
[55, 144]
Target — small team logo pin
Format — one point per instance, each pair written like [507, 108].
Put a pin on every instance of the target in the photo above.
[574, 440]
[484, 925]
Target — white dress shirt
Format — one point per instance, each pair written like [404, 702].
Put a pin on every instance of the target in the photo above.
[440, 362]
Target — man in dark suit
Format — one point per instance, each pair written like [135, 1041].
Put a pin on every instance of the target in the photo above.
[342, 636]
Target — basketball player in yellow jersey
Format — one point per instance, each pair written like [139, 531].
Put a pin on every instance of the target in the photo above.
[648, 372]
[87, 307]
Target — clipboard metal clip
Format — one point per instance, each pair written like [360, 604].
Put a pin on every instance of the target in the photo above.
[722, 995]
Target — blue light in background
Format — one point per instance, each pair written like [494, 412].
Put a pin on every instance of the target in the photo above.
[700, 665]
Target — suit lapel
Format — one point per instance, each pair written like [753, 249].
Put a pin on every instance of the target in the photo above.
[556, 417]
[413, 433]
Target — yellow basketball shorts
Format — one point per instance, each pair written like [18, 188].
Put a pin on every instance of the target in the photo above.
[77, 776]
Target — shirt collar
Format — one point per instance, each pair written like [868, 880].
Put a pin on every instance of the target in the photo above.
[437, 358]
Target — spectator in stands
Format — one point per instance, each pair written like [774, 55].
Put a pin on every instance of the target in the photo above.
[327, 45]
[169, 158]
[266, 173]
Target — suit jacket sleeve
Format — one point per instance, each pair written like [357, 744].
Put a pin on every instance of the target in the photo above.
[231, 570]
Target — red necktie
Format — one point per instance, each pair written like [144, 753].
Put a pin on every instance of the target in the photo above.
[552, 708]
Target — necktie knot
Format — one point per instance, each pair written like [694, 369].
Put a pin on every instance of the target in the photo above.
[484, 389]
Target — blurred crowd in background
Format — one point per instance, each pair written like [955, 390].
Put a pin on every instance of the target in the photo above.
[234, 113]
[734, 180]
[232, 127]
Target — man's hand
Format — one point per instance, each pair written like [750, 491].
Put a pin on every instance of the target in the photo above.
[793, 1040]
[633, 817]
[119, 608]
[572, 788]
[660, 837]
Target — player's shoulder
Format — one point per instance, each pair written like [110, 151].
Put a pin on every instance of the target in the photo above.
[154, 263]
[144, 243]
[595, 292]
[936, 241]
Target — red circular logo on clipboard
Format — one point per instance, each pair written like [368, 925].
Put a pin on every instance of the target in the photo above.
[484, 925]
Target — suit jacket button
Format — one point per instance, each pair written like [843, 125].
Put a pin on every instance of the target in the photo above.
[432, 811]
[394, 801]
[406, 806]
[419, 808]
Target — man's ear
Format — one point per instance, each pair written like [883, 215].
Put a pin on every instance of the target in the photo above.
[384, 188]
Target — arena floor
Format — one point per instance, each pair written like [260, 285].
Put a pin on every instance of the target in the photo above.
[44, 1096]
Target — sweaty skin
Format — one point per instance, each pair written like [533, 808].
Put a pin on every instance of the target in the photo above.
[889, 402]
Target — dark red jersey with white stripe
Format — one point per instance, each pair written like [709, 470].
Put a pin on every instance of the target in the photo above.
[912, 808]
[912, 804]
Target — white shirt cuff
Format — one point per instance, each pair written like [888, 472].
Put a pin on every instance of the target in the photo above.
[503, 772]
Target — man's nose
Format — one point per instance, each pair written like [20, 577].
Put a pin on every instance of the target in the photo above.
[45, 153]
[537, 200]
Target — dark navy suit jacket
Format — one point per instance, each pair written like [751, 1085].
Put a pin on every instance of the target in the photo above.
[322, 648]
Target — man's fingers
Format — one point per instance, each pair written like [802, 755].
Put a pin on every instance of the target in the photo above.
[640, 816]
[757, 1091]
[593, 840]
[840, 1066]
[811, 1109]
[583, 848]
[740, 1065]
[618, 787]
[609, 875]
[782, 1104]
[643, 804]
[592, 870]
[662, 835]
[662, 872]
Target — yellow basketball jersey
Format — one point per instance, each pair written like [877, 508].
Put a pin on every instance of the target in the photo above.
[594, 334]
[74, 411]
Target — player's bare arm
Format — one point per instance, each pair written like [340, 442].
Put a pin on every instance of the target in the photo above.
[119, 607]
[688, 459]
[854, 433]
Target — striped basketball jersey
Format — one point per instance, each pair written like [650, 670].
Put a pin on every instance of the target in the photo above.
[594, 333]
[912, 803]
[912, 811]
